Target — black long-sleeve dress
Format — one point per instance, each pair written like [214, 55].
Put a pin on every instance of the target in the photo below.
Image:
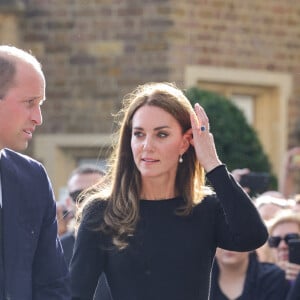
[170, 256]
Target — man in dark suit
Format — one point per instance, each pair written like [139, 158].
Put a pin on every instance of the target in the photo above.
[32, 265]
[82, 178]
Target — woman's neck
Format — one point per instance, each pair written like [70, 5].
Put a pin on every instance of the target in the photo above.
[153, 189]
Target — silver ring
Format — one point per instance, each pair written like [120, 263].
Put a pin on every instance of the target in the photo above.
[202, 128]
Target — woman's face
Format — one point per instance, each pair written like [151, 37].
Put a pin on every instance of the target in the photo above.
[230, 259]
[157, 142]
[281, 253]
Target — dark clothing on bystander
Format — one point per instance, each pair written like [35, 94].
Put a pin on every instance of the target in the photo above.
[264, 281]
[295, 290]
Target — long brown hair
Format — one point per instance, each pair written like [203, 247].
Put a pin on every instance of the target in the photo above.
[123, 180]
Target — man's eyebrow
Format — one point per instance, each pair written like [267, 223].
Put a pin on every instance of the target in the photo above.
[35, 98]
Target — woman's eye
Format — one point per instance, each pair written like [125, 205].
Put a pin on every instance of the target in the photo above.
[137, 133]
[163, 134]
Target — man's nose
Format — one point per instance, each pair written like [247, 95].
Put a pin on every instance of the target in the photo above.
[37, 117]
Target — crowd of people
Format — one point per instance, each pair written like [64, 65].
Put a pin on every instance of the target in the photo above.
[149, 227]
[269, 272]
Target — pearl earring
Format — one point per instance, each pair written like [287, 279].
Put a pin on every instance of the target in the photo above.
[180, 159]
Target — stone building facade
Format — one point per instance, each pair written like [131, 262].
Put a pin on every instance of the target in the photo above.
[95, 51]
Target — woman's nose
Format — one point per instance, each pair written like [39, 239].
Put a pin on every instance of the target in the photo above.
[282, 244]
[148, 144]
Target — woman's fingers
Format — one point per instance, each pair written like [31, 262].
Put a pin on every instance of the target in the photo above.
[203, 122]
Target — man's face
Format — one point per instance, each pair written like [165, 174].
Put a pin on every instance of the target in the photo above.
[80, 182]
[20, 110]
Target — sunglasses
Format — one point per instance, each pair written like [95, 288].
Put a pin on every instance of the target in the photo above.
[274, 241]
[74, 195]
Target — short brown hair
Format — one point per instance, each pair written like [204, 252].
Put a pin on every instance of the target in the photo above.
[7, 74]
[9, 56]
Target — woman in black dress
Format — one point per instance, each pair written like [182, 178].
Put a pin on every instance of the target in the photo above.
[153, 225]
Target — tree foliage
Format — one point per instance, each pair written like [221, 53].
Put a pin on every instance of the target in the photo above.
[236, 141]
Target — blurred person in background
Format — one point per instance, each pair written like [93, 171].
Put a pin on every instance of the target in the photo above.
[81, 179]
[296, 206]
[240, 276]
[64, 217]
[289, 183]
[254, 183]
[283, 227]
[268, 205]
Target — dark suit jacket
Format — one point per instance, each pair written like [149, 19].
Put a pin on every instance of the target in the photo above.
[67, 242]
[34, 264]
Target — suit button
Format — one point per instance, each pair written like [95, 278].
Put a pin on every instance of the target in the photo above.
[148, 272]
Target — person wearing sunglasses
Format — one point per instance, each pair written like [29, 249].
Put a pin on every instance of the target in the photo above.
[83, 177]
[79, 180]
[284, 227]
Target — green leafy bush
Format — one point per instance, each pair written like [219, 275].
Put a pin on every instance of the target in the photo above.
[236, 141]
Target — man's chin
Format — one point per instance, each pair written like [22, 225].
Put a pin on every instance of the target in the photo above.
[19, 147]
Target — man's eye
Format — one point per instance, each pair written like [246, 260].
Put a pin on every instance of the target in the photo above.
[30, 102]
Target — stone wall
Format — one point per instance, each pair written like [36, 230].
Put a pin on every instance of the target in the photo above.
[95, 51]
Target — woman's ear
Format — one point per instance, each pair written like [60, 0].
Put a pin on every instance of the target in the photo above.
[187, 138]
